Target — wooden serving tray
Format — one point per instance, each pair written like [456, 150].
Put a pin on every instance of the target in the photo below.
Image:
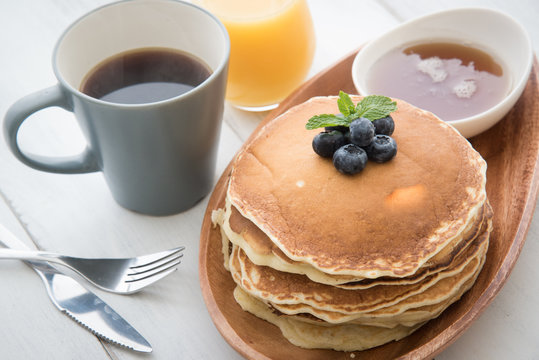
[511, 149]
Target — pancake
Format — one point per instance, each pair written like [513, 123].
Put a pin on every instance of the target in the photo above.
[345, 337]
[408, 318]
[413, 310]
[352, 262]
[261, 251]
[279, 288]
[389, 220]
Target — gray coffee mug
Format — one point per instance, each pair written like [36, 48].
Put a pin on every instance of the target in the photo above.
[157, 158]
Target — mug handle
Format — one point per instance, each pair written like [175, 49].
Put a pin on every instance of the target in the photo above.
[84, 162]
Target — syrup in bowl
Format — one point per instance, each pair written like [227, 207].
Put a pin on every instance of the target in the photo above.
[451, 80]
[500, 36]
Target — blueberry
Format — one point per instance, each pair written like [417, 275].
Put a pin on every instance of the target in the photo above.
[361, 132]
[384, 126]
[347, 138]
[325, 143]
[340, 128]
[350, 159]
[383, 148]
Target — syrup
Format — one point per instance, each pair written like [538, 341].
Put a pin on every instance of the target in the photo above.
[451, 80]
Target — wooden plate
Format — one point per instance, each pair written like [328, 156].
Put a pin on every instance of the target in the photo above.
[511, 149]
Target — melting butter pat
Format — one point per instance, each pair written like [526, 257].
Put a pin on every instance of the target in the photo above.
[406, 197]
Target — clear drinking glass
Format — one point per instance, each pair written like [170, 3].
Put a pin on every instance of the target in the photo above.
[272, 47]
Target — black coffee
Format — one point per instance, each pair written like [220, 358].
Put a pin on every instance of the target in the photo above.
[145, 75]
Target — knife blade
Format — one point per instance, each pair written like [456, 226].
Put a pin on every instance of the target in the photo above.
[80, 304]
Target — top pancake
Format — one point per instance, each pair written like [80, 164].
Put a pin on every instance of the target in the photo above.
[387, 220]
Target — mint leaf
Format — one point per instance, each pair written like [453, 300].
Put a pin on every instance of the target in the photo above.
[346, 105]
[374, 107]
[324, 120]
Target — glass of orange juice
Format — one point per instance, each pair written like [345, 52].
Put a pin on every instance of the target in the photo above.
[272, 47]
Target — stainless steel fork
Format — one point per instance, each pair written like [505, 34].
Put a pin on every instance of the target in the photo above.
[117, 275]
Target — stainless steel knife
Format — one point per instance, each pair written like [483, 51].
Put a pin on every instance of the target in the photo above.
[80, 304]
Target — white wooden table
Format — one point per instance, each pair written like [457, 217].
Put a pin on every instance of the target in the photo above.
[75, 214]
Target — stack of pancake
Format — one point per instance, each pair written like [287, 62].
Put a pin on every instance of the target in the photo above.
[352, 262]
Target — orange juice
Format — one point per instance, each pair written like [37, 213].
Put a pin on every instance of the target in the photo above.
[272, 46]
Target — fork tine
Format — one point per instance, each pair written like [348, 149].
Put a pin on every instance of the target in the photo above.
[152, 275]
[134, 286]
[149, 259]
[154, 265]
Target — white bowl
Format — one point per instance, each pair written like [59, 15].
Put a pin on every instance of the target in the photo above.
[488, 29]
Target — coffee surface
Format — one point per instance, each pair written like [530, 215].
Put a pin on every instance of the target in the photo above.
[145, 75]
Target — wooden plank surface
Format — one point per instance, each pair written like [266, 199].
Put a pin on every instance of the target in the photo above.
[75, 214]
